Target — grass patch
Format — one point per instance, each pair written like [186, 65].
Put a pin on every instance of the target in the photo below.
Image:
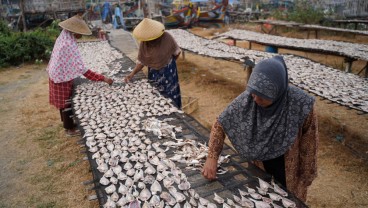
[47, 205]
[75, 162]
[40, 177]
[48, 138]
[21, 165]
[36, 201]
[2, 205]
[3, 109]
[24, 76]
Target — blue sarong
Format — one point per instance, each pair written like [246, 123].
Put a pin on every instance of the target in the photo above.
[118, 19]
[167, 81]
[105, 11]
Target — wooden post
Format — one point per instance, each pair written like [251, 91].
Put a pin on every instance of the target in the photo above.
[248, 72]
[149, 9]
[316, 32]
[349, 63]
[365, 69]
[23, 16]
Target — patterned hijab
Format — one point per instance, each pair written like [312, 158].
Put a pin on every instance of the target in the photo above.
[66, 62]
[157, 53]
[259, 133]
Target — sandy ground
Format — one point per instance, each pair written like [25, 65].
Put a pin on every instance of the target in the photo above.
[41, 167]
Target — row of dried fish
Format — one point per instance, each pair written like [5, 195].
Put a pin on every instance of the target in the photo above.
[117, 121]
[352, 50]
[344, 88]
[264, 196]
[193, 154]
[319, 27]
[100, 57]
[213, 48]
[135, 169]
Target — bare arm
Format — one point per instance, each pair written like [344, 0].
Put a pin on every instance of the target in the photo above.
[138, 67]
[177, 53]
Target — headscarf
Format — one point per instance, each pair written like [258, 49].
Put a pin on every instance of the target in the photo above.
[66, 62]
[157, 53]
[259, 133]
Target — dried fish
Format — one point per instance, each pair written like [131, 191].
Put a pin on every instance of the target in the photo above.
[156, 187]
[109, 203]
[110, 189]
[261, 204]
[218, 199]
[279, 190]
[145, 195]
[288, 203]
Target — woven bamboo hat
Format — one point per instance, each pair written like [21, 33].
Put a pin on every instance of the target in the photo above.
[76, 24]
[148, 29]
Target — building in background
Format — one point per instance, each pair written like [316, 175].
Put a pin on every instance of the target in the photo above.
[346, 9]
[349, 9]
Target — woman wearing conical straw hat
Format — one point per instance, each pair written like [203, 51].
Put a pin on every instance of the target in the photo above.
[158, 51]
[65, 65]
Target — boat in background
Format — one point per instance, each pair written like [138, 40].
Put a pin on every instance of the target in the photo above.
[217, 13]
[183, 17]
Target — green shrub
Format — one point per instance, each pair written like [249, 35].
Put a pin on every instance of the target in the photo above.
[302, 12]
[53, 30]
[305, 12]
[21, 47]
[7, 52]
[4, 29]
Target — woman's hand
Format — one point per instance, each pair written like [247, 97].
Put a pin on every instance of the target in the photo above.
[210, 169]
[108, 80]
[128, 77]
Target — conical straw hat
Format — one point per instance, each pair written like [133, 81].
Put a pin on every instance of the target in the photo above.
[76, 24]
[148, 29]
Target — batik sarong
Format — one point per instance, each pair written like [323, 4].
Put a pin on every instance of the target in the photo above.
[167, 81]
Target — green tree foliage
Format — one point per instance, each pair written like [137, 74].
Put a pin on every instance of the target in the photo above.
[305, 12]
[4, 29]
[302, 12]
[17, 48]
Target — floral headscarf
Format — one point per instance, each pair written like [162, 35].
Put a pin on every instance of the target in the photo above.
[66, 62]
[259, 133]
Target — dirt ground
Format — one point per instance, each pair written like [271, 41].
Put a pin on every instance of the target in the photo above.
[41, 167]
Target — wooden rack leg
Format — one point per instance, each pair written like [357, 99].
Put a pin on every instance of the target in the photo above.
[349, 63]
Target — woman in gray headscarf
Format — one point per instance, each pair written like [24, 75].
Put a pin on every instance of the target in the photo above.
[270, 122]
